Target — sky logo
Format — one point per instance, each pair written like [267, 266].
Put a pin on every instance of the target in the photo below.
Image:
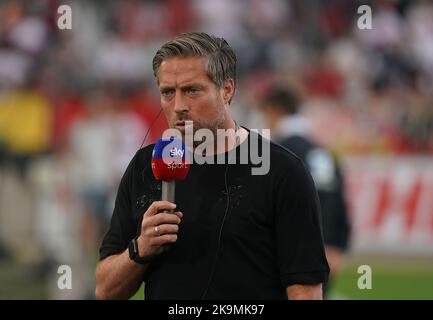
[176, 152]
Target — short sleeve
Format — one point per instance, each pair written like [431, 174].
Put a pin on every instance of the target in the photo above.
[122, 228]
[300, 248]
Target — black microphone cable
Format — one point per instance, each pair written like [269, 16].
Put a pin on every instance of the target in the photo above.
[151, 125]
[212, 273]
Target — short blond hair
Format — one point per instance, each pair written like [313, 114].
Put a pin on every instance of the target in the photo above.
[221, 59]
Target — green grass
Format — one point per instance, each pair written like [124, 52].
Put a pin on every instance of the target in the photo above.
[139, 295]
[392, 278]
[19, 282]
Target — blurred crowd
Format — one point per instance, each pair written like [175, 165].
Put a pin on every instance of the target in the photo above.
[76, 104]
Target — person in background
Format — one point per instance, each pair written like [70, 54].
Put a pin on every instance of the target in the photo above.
[291, 129]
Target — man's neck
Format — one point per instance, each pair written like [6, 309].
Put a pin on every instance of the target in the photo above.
[226, 139]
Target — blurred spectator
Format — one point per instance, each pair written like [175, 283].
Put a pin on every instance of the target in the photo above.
[25, 122]
[101, 145]
[22, 37]
[68, 109]
[291, 130]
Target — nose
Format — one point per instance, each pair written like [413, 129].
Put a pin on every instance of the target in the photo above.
[179, 104]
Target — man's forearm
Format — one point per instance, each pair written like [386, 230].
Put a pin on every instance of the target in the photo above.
[305, 292]
[118, 277]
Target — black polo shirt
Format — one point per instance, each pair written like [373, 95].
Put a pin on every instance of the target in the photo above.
[270, 237]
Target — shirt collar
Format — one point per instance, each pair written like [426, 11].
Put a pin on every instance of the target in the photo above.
[292, 125]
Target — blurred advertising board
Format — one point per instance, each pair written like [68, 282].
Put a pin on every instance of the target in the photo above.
[391, 203]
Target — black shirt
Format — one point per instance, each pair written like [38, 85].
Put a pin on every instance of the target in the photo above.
[271, 235]
[328, 178]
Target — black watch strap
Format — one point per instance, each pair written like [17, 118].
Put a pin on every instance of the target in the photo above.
[133, 253]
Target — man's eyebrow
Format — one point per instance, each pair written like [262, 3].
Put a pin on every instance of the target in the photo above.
[162, 88]
[192, 85]
[183, 87]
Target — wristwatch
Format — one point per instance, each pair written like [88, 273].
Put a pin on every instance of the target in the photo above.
[133, 253]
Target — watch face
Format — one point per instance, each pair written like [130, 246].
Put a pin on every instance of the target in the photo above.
[133, 253]
[132, 250]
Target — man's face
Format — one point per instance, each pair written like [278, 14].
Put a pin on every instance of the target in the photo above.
[187, 93]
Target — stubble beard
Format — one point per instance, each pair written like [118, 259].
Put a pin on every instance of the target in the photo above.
[212, 125]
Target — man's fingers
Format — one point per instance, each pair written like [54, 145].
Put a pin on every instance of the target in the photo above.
[163, 218]
[156, 231]
[149, 223]
[156, 206]
[165, 238]
[167, 229]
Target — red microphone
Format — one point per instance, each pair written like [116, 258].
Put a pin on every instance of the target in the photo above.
[170, 162]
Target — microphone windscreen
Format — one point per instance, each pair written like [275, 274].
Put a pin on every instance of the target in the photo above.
[170, 160]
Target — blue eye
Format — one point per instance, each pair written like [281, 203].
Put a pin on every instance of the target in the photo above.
[193, 91]
[166, 93]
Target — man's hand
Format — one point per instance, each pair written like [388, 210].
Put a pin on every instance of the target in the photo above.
[158, 229]
[117, 276]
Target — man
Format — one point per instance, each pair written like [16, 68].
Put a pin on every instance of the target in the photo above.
[291, 130]
[233, 235]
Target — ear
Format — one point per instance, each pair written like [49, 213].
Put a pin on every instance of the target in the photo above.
[228, 89]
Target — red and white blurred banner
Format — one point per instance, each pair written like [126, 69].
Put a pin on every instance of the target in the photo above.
[391, 203]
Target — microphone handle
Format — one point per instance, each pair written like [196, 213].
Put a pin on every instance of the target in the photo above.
[167, 194]
[168, 189]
